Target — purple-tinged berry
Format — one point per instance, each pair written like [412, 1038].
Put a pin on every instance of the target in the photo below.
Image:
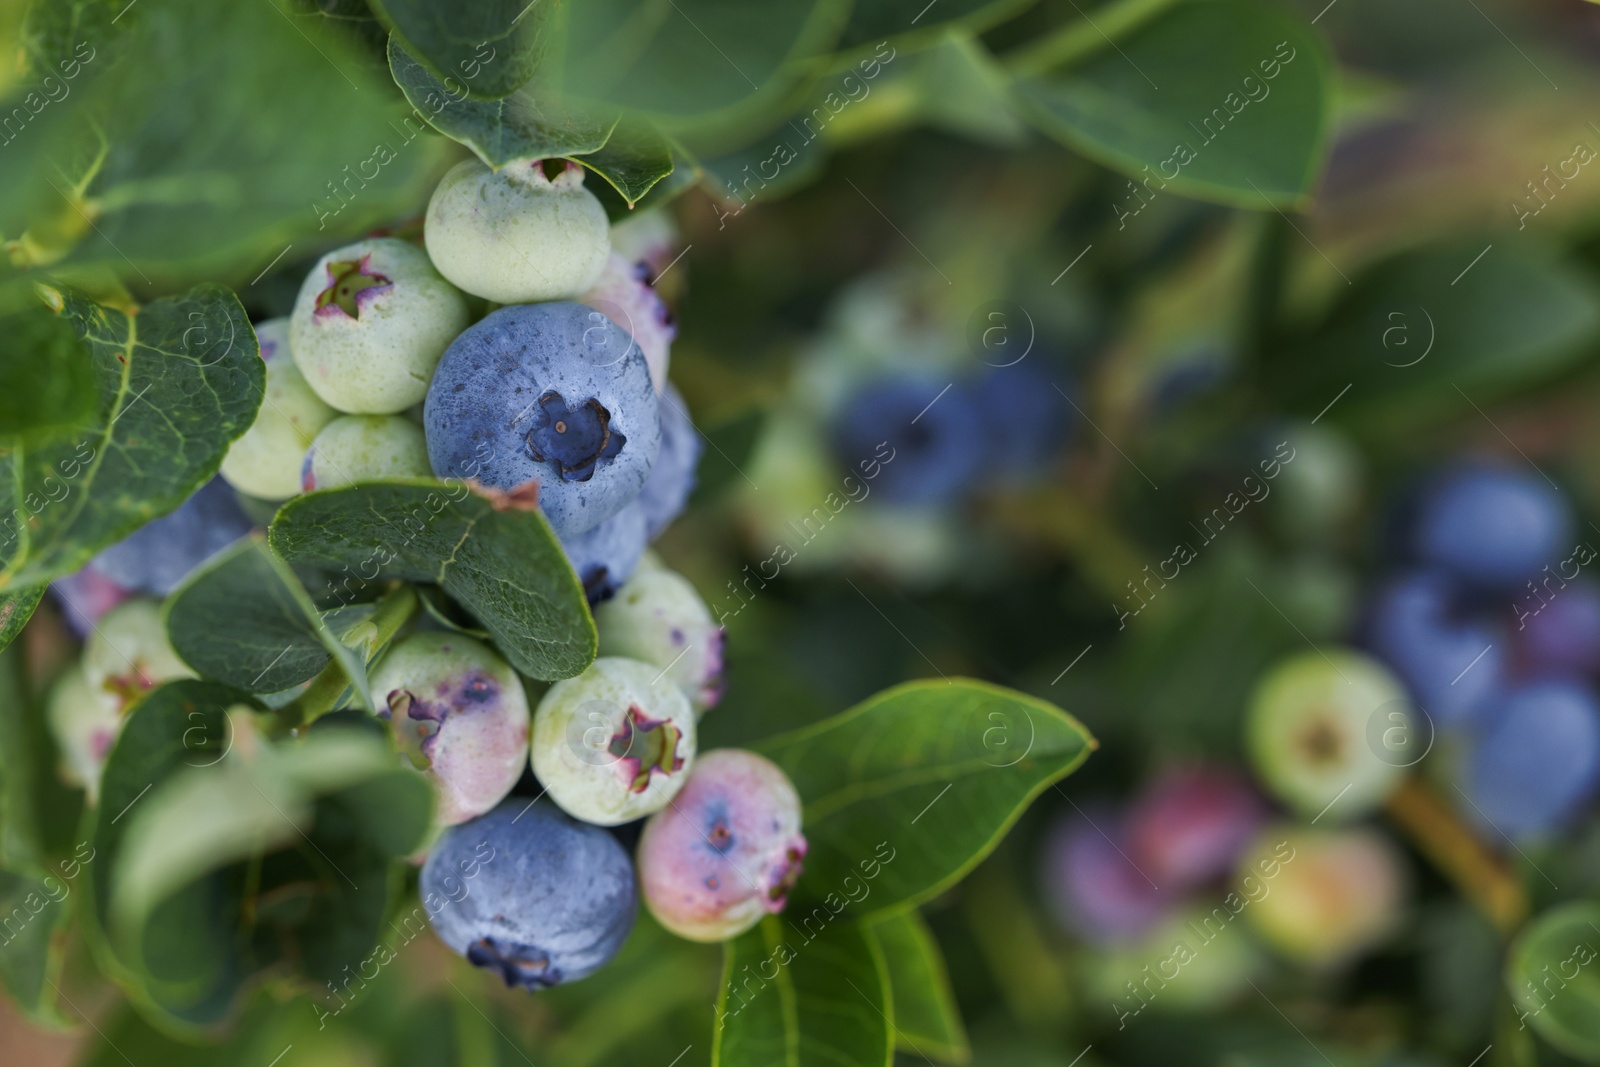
[159, 555]
[370, 323]
[365, 448]
[615, 743]
[1491, 526]
[672, 478]
[530, 894]
[728, 850]
[1562, 635]
[514, 236]
[1453, 665]
[624, 295]
[85, 722]
[1092, 885]
[1310, 728]
[1190, 825]
[1539, 760]
[553, 393]
[657, 617]
[460, 712]
[86, 596]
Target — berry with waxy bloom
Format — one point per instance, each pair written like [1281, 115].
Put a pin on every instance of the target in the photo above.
[659, 618]
[265, 461]
[364, 448]
[727, 851]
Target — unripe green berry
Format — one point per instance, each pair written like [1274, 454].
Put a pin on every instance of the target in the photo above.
[365, 448]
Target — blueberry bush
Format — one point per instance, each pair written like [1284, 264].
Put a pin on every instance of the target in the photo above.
[821, 533]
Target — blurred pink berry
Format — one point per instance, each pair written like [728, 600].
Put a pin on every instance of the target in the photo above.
[1190, 825]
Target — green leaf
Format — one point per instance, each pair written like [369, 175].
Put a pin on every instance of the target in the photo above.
[790, 1001]
[693, 63]
[245, 620]
[38, 812]
[287, 138]
[46, 375]
[910, 789]
[33, 918]
[878, 20]
[506, 567]
[1422, 336]
[1225, 100]
[518, 127]
[927, 1022]
[492, 47]
[173, 387]
[632, 161]
[16, 608]
[1552, 977]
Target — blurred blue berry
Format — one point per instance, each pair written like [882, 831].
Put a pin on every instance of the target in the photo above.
[1540, 760]
[156, 557]
[1492, 527]
[937, 433]
[1452, 665]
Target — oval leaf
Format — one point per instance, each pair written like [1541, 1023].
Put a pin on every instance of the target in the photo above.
[492, 46]
[917, 784]
[174, 386]
[927, 1022]
[506, 567]
[827, 1002]
[1224, 100]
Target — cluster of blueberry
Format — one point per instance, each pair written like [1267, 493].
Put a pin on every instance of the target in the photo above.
[1495, 633]
[380, 373]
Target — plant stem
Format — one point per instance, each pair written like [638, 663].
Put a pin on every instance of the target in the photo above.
[1438, 832]
[1078, 39]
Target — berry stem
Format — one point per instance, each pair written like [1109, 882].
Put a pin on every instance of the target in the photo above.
[1439, 833]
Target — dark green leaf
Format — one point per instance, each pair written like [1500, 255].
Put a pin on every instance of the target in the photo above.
[33, 917]
[16, 608]
[173, 387]
[1186, 100]
[492, 47]
[521, 126]
[803, 999]
[910, 789]
[45, 373]
[1422, 335]
[633, 160]
[1551, 977]
[38, 812]
[927, 1022]
[245, 620]
[506, 567]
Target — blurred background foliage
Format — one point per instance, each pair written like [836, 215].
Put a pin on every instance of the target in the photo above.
[1370, 263]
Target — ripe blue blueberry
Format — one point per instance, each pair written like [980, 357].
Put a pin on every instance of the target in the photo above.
[605, 556]
[659, 618]
[615, 743]
[530, 894]
[1189, 825]
[460, 712]
[1024, 420]
[624, 294]
[1563, 635]
[938, 437]
[157, 556]
[1493, 527]
[1093, 888]
[370, 324]
[514, 236]
[728, 850]
[1453, 665]
[672, 479]
[554, 393]
[1539, 760]
[364, 448]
